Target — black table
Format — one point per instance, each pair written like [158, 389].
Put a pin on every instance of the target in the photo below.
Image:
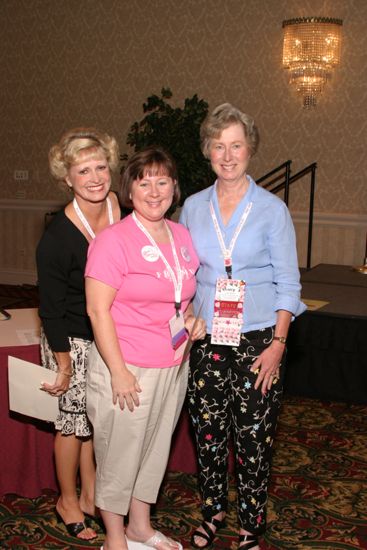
[327, 351]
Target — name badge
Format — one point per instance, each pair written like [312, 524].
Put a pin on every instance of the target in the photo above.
[228, 311]
[179, 334]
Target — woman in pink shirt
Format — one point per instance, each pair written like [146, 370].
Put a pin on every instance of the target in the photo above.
[140, 280]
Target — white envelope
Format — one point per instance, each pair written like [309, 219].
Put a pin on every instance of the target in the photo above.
[25, 396]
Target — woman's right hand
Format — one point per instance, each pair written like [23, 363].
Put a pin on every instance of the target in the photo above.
[125, 389]
[196, 327]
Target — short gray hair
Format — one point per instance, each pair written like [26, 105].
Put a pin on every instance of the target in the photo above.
[221, 118]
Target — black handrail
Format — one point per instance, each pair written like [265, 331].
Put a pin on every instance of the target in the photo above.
[281, 171]
[272, 172]
[285, 184]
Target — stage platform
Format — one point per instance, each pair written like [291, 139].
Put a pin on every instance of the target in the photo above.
[327, 351]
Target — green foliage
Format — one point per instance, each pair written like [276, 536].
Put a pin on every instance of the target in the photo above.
[178, 131]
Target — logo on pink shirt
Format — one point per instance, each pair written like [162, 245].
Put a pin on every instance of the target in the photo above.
[150, 253]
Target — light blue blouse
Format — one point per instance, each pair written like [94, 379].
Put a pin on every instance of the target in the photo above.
[264, 256]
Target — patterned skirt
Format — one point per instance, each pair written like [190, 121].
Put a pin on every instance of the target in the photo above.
[72, 418]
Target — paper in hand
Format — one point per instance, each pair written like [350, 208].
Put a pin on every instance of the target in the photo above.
[25, 395]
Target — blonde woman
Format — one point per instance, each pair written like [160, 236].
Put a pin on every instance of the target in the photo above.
[83, 161]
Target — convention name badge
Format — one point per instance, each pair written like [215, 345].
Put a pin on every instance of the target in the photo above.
[179, 334]
[228, 311]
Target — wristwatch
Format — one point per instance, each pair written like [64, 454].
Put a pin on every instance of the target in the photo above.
[281, 339]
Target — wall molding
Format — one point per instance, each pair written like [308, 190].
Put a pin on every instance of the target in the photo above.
[31, 205]
[337, 238]
[18, 277]
[330, 218]
[21, 226]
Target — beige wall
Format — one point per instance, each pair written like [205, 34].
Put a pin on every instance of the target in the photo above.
[65, 63]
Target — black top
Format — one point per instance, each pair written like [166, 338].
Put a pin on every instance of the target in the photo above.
[61, 257]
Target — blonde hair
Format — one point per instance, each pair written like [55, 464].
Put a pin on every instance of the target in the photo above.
[221, 118]
[81, 142]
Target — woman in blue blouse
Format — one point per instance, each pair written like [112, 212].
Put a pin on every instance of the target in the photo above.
[248, 291]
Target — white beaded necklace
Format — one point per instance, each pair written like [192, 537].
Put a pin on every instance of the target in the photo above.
[84, 220]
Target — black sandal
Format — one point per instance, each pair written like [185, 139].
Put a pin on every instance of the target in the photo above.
[90, 518]
[209, 534]
[250, 541]
[74, 529]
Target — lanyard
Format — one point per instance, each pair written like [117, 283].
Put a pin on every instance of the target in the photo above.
[84, 220]
[227, 252]
[177, 281]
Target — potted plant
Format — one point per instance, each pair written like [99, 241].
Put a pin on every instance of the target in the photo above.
[177, 130]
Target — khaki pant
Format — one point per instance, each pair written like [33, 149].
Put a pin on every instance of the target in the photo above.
[132, 448]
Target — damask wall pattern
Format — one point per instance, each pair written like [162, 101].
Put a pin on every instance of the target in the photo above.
[94, 62]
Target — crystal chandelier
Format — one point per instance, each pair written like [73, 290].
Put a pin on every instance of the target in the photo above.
[311, 49]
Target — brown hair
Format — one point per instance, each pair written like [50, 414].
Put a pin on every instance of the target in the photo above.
[151, 161]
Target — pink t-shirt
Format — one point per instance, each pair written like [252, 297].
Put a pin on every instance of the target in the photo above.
[122, 257]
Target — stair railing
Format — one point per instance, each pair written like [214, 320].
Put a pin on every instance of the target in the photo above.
[283, 173]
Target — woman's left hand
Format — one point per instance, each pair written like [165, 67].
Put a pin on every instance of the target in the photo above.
[196, 327]
[60, 386]
[267, 365]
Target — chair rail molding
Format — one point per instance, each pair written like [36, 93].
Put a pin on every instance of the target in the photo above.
[29, 205]
[337, 238]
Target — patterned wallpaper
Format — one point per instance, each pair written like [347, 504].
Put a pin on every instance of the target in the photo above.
[93, 62]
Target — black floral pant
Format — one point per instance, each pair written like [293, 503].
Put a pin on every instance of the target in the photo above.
[222, 400]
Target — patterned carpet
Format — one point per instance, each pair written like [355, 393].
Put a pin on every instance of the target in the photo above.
[318, 496]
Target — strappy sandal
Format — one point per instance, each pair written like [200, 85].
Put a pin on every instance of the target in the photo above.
[246, 542]
[209, 534]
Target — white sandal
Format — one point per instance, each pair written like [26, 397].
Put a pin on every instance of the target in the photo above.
[157, 538]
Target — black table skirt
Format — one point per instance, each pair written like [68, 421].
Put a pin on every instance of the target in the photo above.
[327, 358]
